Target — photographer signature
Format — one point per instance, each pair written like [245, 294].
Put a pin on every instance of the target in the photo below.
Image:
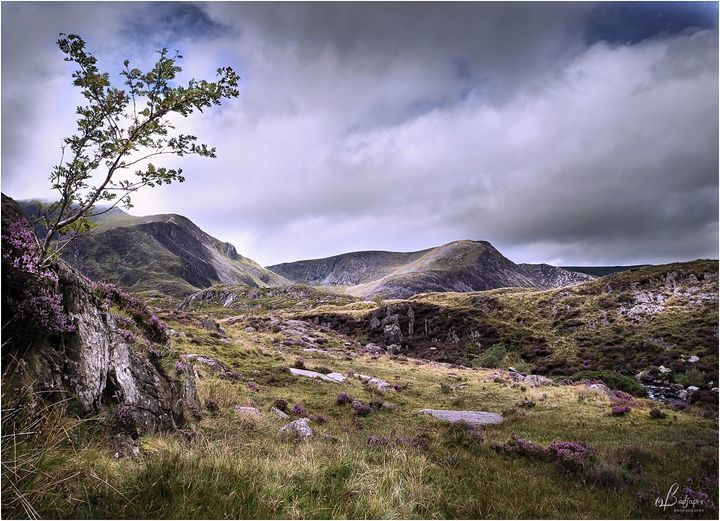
[671, 500]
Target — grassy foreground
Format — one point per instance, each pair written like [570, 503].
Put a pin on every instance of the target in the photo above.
[392, 463]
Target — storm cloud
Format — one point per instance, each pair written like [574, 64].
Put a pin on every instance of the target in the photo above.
[563, 133]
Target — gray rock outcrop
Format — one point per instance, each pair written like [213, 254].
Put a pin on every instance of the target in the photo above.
[469, 417]
[299, 429]
[102, 369]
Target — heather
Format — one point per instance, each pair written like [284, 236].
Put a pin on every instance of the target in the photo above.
[32, 282]
[126, 303]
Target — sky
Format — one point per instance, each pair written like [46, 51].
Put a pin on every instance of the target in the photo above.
[568, 133]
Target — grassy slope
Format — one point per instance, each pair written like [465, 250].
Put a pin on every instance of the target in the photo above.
[235, 467]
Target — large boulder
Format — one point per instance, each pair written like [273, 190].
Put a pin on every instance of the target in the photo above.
[101, 369]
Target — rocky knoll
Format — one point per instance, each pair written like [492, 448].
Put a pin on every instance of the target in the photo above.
[626, 322]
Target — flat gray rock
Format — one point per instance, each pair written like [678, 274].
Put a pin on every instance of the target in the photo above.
[470, 417]
[313, 374]
[253, 411]
[299, 429]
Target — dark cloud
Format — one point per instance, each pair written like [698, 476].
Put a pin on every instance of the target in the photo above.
[570, 133]
[632, 22]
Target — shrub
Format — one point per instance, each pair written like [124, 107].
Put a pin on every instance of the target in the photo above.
[39, 306]
[493, 357]
[691, 377]
[613, 380]
[360, 409]
[299, 363]
[572, 456]
[621, 398]
[343, 398]
[657, 414]
[678, 405]
[154, 328]
[126, 335]
[377, 441]
[520, 447]
[281, 404]
[619, 410]
[298, 410]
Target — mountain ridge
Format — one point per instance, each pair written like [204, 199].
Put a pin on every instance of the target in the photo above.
[463, 265]
[165, 253]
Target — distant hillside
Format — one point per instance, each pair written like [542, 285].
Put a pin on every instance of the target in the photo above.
[457, 266]
[627, 322]
[601, 271]
[165, 253]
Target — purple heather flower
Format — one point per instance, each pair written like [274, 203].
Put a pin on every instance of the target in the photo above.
[377, 441]
[360, 409]
[620, 410]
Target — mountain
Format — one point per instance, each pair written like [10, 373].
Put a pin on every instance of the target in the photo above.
[457, 266]
[166, 253]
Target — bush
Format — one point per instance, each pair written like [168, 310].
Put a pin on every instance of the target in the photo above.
[38, 304]
[619, 410]
[613, 380]
[281, 404]
[493, 357]
[691, 377]
[657, 414]
[343, 398]
[360, 409]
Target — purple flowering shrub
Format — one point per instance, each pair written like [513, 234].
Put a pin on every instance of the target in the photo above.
[377, 441]
[360, 409]
[572, 455]
[520, 447]
[38, 303]
[126, 335]
[154, 328]
[619, 397]
[619, 410]
[569, 455]
[298, 410]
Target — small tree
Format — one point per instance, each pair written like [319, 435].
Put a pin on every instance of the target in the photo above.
[119, 129]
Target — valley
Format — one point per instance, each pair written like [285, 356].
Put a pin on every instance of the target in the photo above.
[275, 398]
